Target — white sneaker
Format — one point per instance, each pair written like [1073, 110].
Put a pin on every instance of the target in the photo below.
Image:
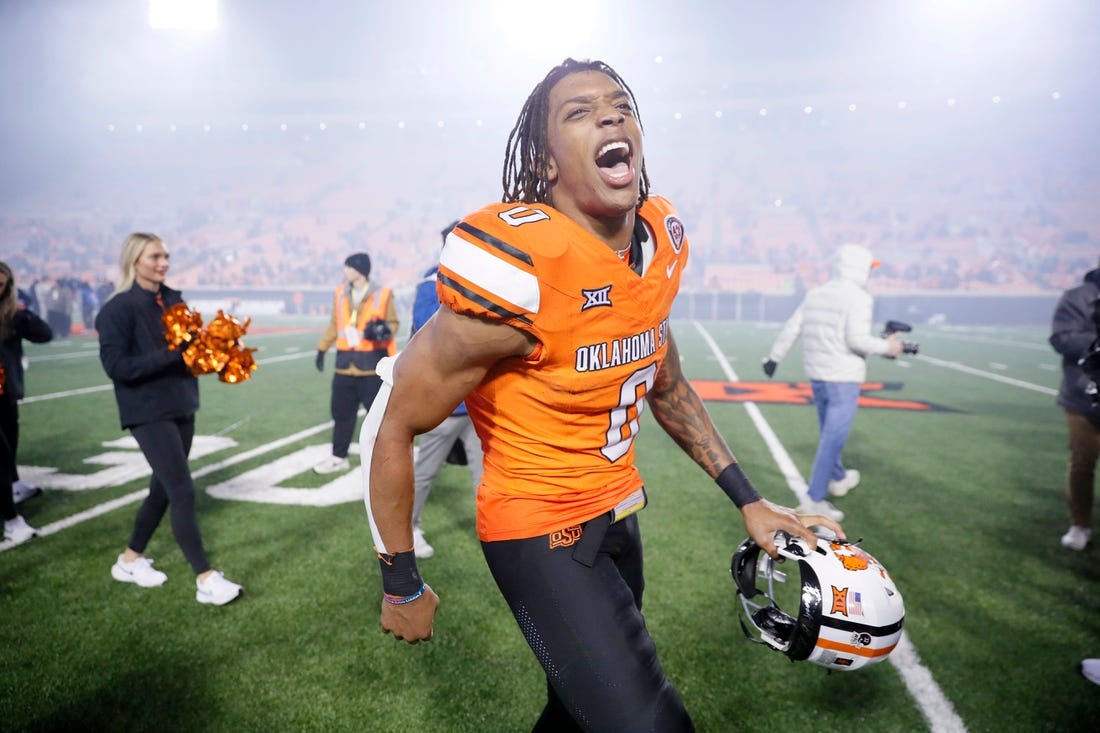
[21, 491]
[216, 589]
[332, 464]
[846, 484]
[1091, 669]
[140, 571]
[17, 531]
[1077, 538]
[421, 548]
[824, 508]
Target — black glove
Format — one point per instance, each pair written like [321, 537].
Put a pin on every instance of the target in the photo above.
[377, 330]
[769, 367]
[320, 360]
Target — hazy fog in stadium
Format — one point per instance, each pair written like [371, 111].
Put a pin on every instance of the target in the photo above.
[103, 113]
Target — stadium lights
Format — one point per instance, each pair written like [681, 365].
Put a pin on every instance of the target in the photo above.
[827, 112]
[190, 15]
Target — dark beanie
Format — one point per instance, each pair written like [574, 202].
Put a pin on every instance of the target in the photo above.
[359, 261]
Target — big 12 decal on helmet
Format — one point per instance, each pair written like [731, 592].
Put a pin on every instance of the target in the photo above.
[849, 614]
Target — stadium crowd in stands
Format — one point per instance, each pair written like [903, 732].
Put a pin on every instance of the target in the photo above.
[763, 213]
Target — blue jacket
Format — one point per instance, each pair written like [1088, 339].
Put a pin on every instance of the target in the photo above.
[425, 303]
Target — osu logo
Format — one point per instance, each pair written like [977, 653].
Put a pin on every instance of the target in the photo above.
[565, 537]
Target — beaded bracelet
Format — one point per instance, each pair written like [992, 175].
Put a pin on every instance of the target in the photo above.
[397, 600]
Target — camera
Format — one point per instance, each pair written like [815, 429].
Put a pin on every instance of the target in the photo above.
[907, 347]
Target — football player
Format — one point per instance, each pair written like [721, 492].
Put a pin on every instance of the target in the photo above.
[554, 328]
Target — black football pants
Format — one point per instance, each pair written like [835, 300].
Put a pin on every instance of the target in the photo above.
[579, 607]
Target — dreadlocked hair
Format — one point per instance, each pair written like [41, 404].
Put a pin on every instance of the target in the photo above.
[524, 178]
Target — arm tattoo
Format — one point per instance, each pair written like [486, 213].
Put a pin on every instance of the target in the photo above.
[678, 409]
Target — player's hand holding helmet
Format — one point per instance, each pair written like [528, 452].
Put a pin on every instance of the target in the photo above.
[849, 612]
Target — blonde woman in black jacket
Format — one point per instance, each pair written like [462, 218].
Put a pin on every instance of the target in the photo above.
[157, 400]
[16, 324]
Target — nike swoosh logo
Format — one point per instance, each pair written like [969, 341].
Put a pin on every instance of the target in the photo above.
[670, 269]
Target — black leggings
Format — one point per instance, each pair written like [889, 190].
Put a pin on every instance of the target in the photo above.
[9, 417]
[166, 444]
[9, 425]
[582, 618]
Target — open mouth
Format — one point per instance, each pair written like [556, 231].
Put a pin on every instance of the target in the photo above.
[613, 160]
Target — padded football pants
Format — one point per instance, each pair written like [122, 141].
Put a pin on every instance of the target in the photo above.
[432, 454]
[579, 607]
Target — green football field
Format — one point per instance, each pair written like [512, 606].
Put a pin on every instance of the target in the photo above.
[962, 450]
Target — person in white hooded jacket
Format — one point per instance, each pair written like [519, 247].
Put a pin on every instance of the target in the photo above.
[834, 321]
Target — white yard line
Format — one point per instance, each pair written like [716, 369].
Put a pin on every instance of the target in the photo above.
[975, 337]
[98, 509]
[986, 375]
[933, 704]
[105, 387]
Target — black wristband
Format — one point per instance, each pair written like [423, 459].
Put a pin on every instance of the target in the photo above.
[736, 484]
[400, 578]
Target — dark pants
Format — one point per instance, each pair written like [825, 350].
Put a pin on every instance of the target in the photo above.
[9, 415]
[166, 444]
[584, 623]
[348, 393]
[1084, 449]
[9, 426]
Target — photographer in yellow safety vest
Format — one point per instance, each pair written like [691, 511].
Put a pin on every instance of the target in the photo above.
[363, 327]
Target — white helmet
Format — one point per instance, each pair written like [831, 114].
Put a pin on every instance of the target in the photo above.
[850, 613]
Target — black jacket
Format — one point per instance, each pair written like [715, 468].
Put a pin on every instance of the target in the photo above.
[151, 381]
[25, 325]
[1072, 333]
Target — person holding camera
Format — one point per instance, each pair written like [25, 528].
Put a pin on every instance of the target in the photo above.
[363, 327]
[834, 321]
[1074, 336]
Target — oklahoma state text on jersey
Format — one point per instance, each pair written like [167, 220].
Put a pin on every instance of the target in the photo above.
[558, 427]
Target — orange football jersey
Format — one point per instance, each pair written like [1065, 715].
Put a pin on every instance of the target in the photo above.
[558, 428]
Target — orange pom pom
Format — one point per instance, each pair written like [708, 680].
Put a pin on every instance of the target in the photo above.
[181, 325]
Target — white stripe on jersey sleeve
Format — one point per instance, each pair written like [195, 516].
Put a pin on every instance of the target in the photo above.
[491, 273]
